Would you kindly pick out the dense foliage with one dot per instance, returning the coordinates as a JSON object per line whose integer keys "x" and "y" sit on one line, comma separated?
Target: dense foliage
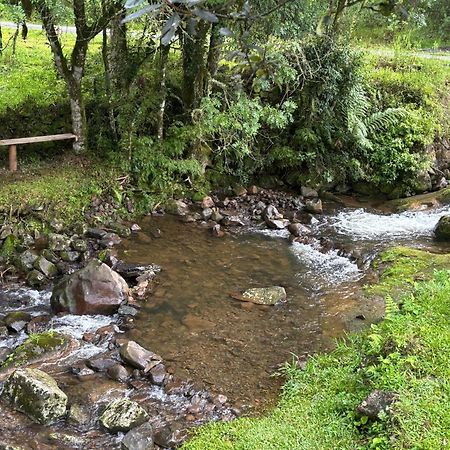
{"x": 188, "y": 95}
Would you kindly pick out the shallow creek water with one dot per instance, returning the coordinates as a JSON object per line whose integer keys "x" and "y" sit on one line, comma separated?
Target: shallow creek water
{"x": 202, "y": 333}
{"x": 236, "y": 347}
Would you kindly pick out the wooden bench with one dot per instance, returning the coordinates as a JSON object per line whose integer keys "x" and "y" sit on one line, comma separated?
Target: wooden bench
{"x": 13, "y": 143}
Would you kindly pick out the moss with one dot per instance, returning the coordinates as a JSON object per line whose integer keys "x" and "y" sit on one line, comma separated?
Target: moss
{"x": 402, "y": 267}
{"x": 9, "y": 246}
{"x": 35, "y": 346}
{"x": 441, "y": 197}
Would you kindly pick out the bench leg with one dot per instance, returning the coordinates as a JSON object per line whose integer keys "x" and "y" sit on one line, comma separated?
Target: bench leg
{"x": 12, "y": 158}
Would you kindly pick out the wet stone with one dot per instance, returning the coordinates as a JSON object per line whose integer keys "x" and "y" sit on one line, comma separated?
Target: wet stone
{"x": 265, "y": 296}
{"x": 298, "y": 229}
{"x": 58, "y": 242}
{"x": 127, "y": 310}
{"x": 46, "y": 267}
{"x": 4, "y": 353}
{"x": 157, "y": 374}
{"x": 207, "y": 213}
{"x": 138, "y": 357}
{"x": 78, "y": 415}
{"x": 119, "y": 373}
{"x": 140, "y": 438}
{"x": 101, "y": 364}
{"x": 314, "y": 206}
{"x": 277, "y": 224}
{"x": 170, "y": 436}
{"x": 110, "y": 240}
{"x": 67, "y": 439}
{"x": 36, "y": 394}
{"x": 38, "y": 324}
{"x": 36, "y": 278}
{"x": 95, "y": 289}
{"x": 123, "y": 415}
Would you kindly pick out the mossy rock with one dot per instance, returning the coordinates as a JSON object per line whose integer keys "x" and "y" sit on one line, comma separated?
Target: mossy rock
{"x": 36, "y": 394}
{"x": 35, "y": 346}
{"x": 442, "y": 230}
{"x": 401, "y": 267}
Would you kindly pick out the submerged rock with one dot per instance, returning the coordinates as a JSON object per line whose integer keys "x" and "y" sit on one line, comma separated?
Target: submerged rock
{"x": 376, "y": 402}
{"x": 123, "y": 415}
{"x": 36, "y": 394}
{"x": 442, "y": 230}
{"x": 95, "y": 289}
{"x": 264, "y": 296}
{"x": 140, "y": 438}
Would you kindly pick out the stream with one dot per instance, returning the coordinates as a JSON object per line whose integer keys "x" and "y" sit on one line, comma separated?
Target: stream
{"x": 230, "y": 347}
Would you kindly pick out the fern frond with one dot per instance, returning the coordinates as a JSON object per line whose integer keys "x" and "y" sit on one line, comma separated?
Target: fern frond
{"x": 381, "y": 120}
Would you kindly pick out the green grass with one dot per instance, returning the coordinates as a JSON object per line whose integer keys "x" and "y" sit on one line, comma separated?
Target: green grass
{"x": 30, "y": 74}
{"x": 64, "y": 188}
{"x": 409, "y": 353}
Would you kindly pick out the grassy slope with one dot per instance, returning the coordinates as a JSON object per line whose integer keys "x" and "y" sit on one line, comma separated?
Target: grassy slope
{"x": 64, "y": 187}
{"x": 408, "y": 353}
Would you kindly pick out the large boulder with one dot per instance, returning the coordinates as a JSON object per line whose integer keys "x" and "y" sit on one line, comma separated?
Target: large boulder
{"x": 95, "y": 289}
{"x": 36, "y": 394}
{"x": 123, "y": 415}
{"x": 442, "y": 230}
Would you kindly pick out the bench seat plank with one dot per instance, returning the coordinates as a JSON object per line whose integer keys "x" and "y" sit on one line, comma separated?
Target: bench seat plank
{"x": 35, "y": 139}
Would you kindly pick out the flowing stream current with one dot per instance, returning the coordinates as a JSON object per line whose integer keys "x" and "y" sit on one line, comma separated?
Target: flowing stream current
{"x": 203, "y": 334}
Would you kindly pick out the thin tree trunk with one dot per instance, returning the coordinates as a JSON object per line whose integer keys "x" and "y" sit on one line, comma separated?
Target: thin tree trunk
{"x": 14, "y": 42}
{"x": 194, "y": 67}
{"x": 1, "y": 41}
{"x": 112, "y": 119}
{"x": 214, "y": 52}
{"x": 164, "y": 58}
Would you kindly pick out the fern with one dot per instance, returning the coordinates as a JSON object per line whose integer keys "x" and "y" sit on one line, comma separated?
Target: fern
{"x": 391, "y": 308}
{"x": 381, "y": 120}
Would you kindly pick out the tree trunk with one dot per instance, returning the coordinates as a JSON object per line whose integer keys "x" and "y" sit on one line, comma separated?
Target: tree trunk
{"x": 14, "y": 42}
{"x": 214, "y": 52}
{"x": 1, "y": 41}
{"x": 164, "y": 57}
{"x": 78, "y": 113}
{"x": 194, "y": 67}
{"x": 118, "y": 53}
